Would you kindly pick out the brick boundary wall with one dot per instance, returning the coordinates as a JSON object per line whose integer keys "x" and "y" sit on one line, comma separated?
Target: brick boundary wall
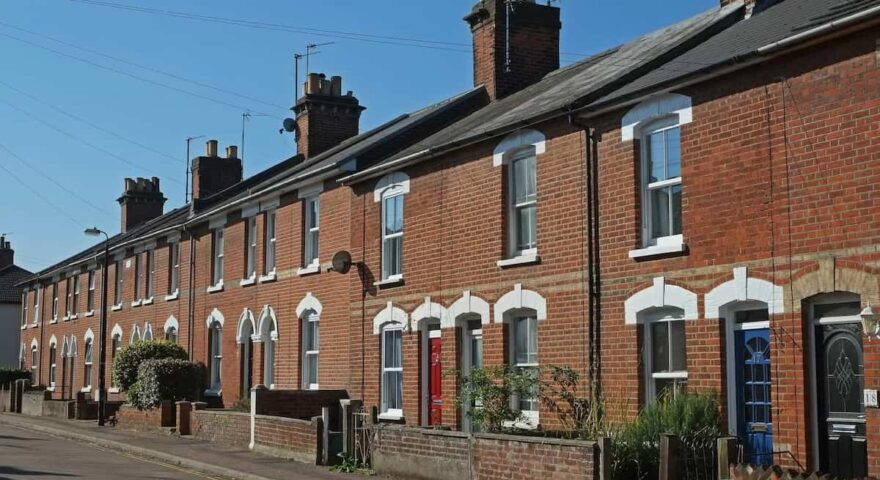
{"x": 132, "y": 418}
{"x": 426, "y": 454}
{"x": 290, "y": 438}
{"x": 221, "y": 426}
{"x": 303, "y": 404}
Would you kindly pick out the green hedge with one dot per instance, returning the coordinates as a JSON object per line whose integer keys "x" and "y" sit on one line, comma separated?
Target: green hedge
{"x": 9, "y": 375}
{"x": 129, "y": 359}
{"x": 166, "y": 379}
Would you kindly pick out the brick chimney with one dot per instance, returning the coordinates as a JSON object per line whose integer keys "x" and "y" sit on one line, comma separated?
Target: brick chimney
{"x": 141, "y": 201}
{"x": 7, "y": 254}
{"x": 212, "y": 173}
{"x": 324, "y": 116}
{"x": 516, "y": 43}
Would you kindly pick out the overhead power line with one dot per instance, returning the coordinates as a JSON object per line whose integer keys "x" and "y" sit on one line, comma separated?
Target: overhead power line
{"x": 86, "y": 142}
{"x": 89, "y": 123}
{"x": 131, "y": 75}
{"x": 58, "y": 184}
{"x": 143, "y": 67}
{"x": 39, "y": 195}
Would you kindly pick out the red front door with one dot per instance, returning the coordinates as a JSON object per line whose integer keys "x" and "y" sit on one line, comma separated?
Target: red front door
{"x": 435, "y": 372}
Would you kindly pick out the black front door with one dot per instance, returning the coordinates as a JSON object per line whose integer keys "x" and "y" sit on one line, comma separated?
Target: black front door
{"x": 841, "y": 411}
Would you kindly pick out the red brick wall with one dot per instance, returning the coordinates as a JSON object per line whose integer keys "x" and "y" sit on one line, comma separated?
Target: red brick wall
{"x": 226, "y": 427}
{"x": 430, "y": 454}
{"x": 289, "y": 437}
{"x": 302, "y": 404}
{"x": 132, "y": 418}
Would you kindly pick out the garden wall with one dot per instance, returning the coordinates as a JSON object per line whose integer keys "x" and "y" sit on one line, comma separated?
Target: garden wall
{"x": 303, "y": 404}
{"x": 221, "y": 426}
{"x": 132, "y": 418}
{"x": 444, "y": 455}
{"x": 291, "y": 438}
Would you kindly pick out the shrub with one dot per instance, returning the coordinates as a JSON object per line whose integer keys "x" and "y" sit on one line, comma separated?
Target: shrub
{"x": 580, "y": 416}
{"x": 493, "y": 389}
{"x": 636, "y": 448}
{"x": 9, "y": 375}
{"x": 165, "y": 379}
{"x": 128, "y": 359}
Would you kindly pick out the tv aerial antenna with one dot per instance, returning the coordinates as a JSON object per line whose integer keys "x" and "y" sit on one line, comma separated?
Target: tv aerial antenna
{"x": 311, "y": 49}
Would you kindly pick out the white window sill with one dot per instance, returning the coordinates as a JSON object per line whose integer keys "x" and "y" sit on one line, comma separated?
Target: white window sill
{"x": 137, "y": 303}
{"x": 309, "y": 270}
{"x": 246, "y": 282}
{"x": 173, "y": 296}
{"x": 35, "y": 324}
{"x": 72, "y": 317}
{"x": 389, "y": 282}
{"x": 86, "y": 389}
{"x": 50, "y": 389}
{"x": 113, "y": 390}
{"x": 65, "y": 318}
{"x": 148, "y": 301}
{"x": 657, "y": 250}
{"x": 24, "y": 327}
{"x": 54, "y": 320}
{"x": 269, "y": 277}
{"x": 529, "y": 259}
{"x": 216, "y": 288}
{"x": 213, "y": 393}
{"x": 394, "y": 417}
{"x": 116, "y": 308}
{"x": 90, "y": 313}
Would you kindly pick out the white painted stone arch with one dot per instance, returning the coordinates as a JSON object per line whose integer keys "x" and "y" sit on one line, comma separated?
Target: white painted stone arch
{"x": 171, "y": 323}
{"x": 519, "y": 299}
{"x": 268, "y": 329}
{"x": 390, "y": 314}
{"x": 65, "y": 346}
{"x": 743, "y": 289}
{"x": 89, "y": 335}
{"x": 135, "y": 334}
{"x": 117, "y": 331}
{"x": 309, "y": 302}
{"x": 395, "y": 183}
{"x": 468, "y": 305}
{"x": 245, "y": 322}
{"x": 516, "y": 141}
{"x": 148, "y": 332}
{"x": 71, "y": 347}
{"x": 53, "y": 341}
{"x": 427, "y": 311}
{"x": 215, "y": 316}
{"x": 34, "y": 343}
{"x": 665, "y": 105}
{"x": 660, "y": 295}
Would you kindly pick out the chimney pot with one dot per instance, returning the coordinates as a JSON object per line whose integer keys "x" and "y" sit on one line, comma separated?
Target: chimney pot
{"x": 323, "y": 116}
{"x": 211, "y": 148}
{"x": 232, "y": 152}
{"x": 336, "y": 86}
{"x": 313, "y": 84}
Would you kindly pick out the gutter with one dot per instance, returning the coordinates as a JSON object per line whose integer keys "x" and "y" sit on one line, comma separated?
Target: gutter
{"x": 816, "y": 31}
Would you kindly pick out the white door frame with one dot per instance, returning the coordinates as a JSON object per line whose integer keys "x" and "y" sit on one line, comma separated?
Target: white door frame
{"x": 426, "y": 333}
{"x": 467, "y": 366}
{"x": 728, "y": 313}
{"x": 812, "y": 322}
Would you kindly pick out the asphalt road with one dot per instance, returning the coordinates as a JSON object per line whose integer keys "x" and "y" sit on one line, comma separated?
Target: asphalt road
{"x": 26, "y": 455}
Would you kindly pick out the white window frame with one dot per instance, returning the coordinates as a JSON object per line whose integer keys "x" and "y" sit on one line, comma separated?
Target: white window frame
{"x": 24, "y": 309}
{"x": 54, "y": 302}
{"x": 53, "y": 363}
{"x": 312, "y": 244}
{"x": 90, "y": 295}
{"x": 386, "y": 277}
{"x": 35, "y": 361}
{"x": 390, "y": 413}
{"x": 150, "y": 276}
{"x": 269, "y": 250}
{"x": 119, "y": 282}
{"x": 308, "y": 318}
{"x": 530, "y": 416}
{"x": 115, "y": 345}
{"x": 663, "y": 315}
{"x": 513, "y": 248}
{"x": 215, "y": 352}
{"x": 250, "y": 252}
{"x": 68, "y": 303}
{"x": 87, "y": 364}
{"x": 138, "y": 275}
{"x": 37, "y": 294}
{"x": 173, "y": 270}
{"x": 658, "y": 126}
{"x": 217, "y": 256}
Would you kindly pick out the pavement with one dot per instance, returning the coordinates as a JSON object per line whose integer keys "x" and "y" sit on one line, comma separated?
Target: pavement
{"x": 39, "y": 447}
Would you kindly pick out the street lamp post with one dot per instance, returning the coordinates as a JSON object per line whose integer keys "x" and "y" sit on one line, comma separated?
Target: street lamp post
{"x": 102, "y": 345}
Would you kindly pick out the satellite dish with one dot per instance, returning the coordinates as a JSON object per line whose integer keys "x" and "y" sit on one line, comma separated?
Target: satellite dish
{"x": 289, "y": 125}
{"x": 341, "y": 261}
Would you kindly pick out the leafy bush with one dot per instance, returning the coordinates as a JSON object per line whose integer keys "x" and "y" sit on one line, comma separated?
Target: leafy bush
{"x": 493, "y": 390}
{"x": 128, "y": 359}
{"x": 581, "y": 417}
{"x": 165, "y": 379}
{"x": 9, "y": 375}
{"x": 636, "y": 448}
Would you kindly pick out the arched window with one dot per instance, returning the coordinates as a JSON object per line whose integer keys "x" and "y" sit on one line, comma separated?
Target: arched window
{"x": 171, "y": 329}
{"x": 665, "y": 353}
{"x": 148, "y": 332}
{"x": 389, "y": 324}
{"x": 269, "y": 335}
{"x": 115, "y": 344}
{"x": 53, "y": 353}
{"x": 246, "y": 333}
{"x": 311, "y": 328}
{"x": 391, "y": 190}
{"x": 519, "y": 152}
{"x": 87, "y": 361}
{"x": 34, "y": 361}
{"x": 135, "y": 334}
{"x": 215, "y": 341}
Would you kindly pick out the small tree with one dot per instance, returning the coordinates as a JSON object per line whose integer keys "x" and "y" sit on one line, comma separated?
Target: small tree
{"x": 130, "y": 358}
{"x": 490, "y": 394}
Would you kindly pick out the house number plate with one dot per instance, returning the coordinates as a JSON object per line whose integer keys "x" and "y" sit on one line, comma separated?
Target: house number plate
{"x": 871, "y": 399}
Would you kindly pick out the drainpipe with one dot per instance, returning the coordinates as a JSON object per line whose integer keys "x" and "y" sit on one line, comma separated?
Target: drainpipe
{"x": 191, "y": 309}
{"x": 591, "y": 204}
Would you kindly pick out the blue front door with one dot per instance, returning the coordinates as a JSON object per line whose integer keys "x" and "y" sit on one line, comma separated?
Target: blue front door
{"x": 754, "y": 412}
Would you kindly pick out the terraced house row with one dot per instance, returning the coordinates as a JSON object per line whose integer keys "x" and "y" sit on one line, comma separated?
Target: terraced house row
{"x": 696, "y": 209}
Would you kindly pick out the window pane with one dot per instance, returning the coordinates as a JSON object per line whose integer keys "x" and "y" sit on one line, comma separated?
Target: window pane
{"x": 477, "y": 352}
{"x": 529, "y": 401}
{"x": 311, "y": 369}
{"x": 669, "y": 386}
{"x": 393, "y": 352}
{"x": 837, "y": 309}
{"x": 676, "y": 209}
{"x": 673, "y": 153}
{"x": 660, "y": 347}
{"x": 678, "y": 346}
{"x": 655, "y": 153}
{"x": 521, "y": 339}
{"x": 393, "y": 214}
{"x": 660, "y": 212}
{"x": 392, "y": 256}
{"x": 393, "y": 388}
{"x": 526, "y": 235}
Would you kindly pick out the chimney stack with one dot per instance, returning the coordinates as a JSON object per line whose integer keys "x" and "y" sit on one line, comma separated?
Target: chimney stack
{"x": 141, "y": 201}
{"x": 324, "y": 116}
{"x": 516, "y": 43}
{"x": 7, "y": 254}
{"x": 212, "y": 173}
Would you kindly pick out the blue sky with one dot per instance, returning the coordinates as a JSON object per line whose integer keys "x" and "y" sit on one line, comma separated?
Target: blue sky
{"x": 72, "y": 128}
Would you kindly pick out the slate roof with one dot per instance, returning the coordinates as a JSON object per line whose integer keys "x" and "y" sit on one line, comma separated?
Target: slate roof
{"x": 379, "y": 139}
{"x": 10, "y": 276}
{"x": 742, "y": 40}
{"x": 582, "y": 81}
